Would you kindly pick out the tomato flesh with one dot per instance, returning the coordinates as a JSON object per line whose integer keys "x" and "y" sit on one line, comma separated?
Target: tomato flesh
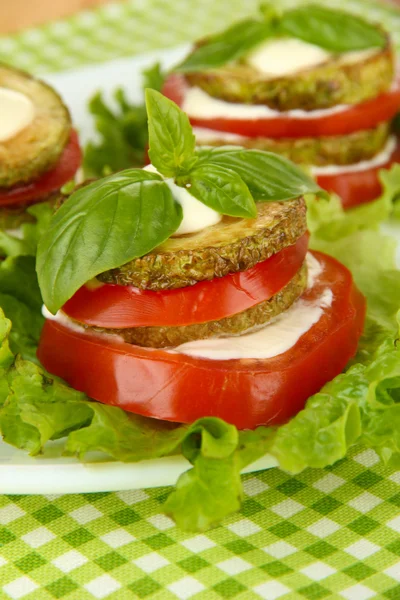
{"x": 357, "y": 187}
{"x": 180, "y": 388}
{"x": 50, "y": 181}
{"x": 365, "y": 115}
{"x": 117, "y": 306}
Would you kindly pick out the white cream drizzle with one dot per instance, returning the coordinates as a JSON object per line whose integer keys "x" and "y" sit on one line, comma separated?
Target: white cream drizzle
{"x": 270, "y": 340}
{"x": 17, "y": 111}
{"x": 286, "y": 56}
{"x": 199, "y": 105}
{"x": 377, "y": 161}
{"x": 196, "y": 215}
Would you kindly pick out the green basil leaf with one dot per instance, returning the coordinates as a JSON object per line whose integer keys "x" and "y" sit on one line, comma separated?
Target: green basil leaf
{"x": 334, "y": 30}
{"x": 268, "y": 176}
{"x": 102, "y": 226}
{"x": 171, "y": 140}
{"x": 227, "y": 46}
{"x": 221, "y": 189}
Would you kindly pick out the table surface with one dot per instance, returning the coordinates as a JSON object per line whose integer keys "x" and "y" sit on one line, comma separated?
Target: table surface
{"x": 330, "y": 533}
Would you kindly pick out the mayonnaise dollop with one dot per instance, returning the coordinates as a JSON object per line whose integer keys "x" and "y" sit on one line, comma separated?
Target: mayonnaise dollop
{"x": 17, "y": 111}
{"x": 196, "y": 215}
{"x": 272, "y": 339}
{"x": 286, "y": 56}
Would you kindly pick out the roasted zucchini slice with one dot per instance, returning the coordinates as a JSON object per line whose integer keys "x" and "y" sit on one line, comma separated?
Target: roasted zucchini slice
{"x": 343, "y": 79}
{"x": 37, "y": 148}
{"x": 318, "y": 151}
{"x": 262, "y": 313}
{"x": 229, "y": 246}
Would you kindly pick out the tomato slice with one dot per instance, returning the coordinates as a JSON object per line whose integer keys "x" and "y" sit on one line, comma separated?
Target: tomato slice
{"x": 366, "y": 115}
{"x": 357, "y": 187}
{"x": 117, "y": 306}
{"x": 50, "y": 181}
{"x": 181, "y": 388}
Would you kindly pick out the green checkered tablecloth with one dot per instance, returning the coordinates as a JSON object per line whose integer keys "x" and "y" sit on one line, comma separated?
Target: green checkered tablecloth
{"x": 330, "y": 533}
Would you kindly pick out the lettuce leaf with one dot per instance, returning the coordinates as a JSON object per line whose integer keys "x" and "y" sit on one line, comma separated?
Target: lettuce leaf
{"x": 360, "y": 405}
{"x": 25, "y": 243}
{"x": 122, "y": 132}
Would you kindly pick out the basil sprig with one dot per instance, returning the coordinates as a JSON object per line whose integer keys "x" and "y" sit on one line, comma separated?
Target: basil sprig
{"x": 228, "y": 45}
{"x": 102, "y": 226}
{"x": 334, "y": 30}
{"x": 114, "y": 220}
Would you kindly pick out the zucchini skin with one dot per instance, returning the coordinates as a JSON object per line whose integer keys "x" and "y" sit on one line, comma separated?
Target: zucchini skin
{"x": 38, "y": 147}
{"x": 324, "y": 86}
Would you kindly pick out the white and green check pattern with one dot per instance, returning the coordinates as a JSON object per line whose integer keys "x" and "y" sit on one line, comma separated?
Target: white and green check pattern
{"x": 139, "y": 26}
{"x": 330, "y": 533}
{"x": 323, "y": 534}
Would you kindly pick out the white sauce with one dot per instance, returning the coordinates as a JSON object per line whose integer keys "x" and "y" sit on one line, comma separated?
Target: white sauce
{"x": 61, "y": 318}
{"x": 16, "y": 113}
{"x": 380, "y": 159}
{"x": 196, "y": 215}
{"x": 199, "y": 105}
{"x": 271, "y": 340}
{"x": 203, "y": 134}
{"x": 285, "y": 56}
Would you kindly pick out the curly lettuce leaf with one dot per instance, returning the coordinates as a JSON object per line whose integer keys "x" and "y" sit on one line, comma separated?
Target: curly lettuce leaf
{"x": 25, "y": 242}
{"x": 122, "y": 132}
{"x": 360, "y": 405}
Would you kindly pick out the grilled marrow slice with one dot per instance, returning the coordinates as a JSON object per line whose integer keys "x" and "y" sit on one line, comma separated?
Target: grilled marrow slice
{"x": 230, "y": 246}
{"x": 261, "y": 314}
{"x": 343, "y": 79}
{"x": 37, "y": 148}
{"x": 318, "y": 151}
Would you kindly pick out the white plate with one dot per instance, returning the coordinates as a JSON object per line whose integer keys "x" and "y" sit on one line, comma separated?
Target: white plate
{"x": 52, "y": 473}
{"x": 55, "y": 474}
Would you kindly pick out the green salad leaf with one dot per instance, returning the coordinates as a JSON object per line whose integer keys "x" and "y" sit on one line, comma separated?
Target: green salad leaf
{"x": 334, "y": 30}
{"x": 25, "y": 243}
{"x": 359, "y": 406}
{"x": 228, "y": 45}
{"x": 102, "y": 226}
{"x": 122, "y": 131}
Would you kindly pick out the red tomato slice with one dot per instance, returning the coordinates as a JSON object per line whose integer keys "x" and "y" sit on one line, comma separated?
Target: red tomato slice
{"x": 50, "y": 181}
{"x": 127, "y": 306}
{"x": 366, "y": 115}
{"x": 180, "y": 388}
{"x": 357, "y": 187}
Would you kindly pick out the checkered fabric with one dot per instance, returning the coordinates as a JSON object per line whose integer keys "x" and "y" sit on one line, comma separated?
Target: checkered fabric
{"x": 330, "y": 533}
{"x": 138, "y": 26}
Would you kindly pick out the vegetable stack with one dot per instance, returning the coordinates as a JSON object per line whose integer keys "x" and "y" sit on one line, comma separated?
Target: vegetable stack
{"x": 185, "y": 290}
{"x": 313, "y": 84}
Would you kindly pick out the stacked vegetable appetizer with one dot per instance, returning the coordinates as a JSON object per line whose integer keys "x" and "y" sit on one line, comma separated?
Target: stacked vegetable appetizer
{"x": 313, "y": 84}
{"x": 203, "y": 286}
{"x": 39, "y": 150}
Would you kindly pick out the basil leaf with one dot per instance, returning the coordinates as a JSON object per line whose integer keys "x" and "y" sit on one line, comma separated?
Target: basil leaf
{"x": 221, "y": 189}
{"x": 334, "y": 30}
{"x": 102, "y": 226}
{"x": 268, "y": 176}
{"x": 171, "y": 140}
{"x": 226, "y": 46}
